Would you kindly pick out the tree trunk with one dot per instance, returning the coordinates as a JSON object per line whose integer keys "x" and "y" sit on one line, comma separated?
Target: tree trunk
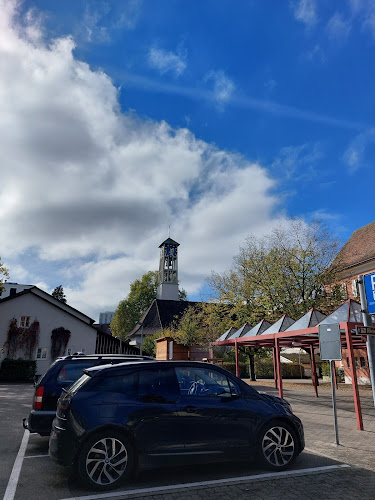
{"x": 252, "y": 367}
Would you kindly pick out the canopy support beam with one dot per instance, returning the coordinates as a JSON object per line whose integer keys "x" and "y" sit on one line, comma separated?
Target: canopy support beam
{"x": 357, "y": 402}
{"x": 278, "y": 365}
{"x": 236, "y": 357}
{"x": 274, "y": 366}
{"x": 313, "y": 370}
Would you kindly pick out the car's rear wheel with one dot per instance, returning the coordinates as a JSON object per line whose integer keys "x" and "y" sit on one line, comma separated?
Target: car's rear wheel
{"x": 105, "y": 460}
{"x": 277, "y": 446}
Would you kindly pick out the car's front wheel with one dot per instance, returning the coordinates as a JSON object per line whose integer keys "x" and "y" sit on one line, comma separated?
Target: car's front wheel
{"x": 277, "y": 446}
{"x": 105, "y": 460}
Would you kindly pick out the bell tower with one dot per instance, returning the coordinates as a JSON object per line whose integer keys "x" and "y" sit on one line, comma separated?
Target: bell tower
{"x": 168, "y": 271}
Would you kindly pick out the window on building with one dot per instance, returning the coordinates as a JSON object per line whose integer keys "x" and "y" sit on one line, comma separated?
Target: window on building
{"x": 348, "y": 362}
{"x": 356, "y": 362}
{"x": 363, "y": 362}
{"x": 25, "y": 321}
{"x": 355, "y": 288}
{"x": 12, "y": 292}
{"x": 41, "y": 353}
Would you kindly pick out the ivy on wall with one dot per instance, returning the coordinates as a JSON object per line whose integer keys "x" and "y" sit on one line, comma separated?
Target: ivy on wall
{"x": 30, "y": 339}
{"x": 25, "y": 339}
{"x": 59, "y": 340}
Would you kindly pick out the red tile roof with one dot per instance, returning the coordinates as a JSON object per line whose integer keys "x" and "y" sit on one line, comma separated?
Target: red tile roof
{"x": 359, "y": 248}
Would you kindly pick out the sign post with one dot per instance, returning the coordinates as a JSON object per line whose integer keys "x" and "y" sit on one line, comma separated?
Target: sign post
{"x": 366, "y": 286}
{"x": 330, "y": 350}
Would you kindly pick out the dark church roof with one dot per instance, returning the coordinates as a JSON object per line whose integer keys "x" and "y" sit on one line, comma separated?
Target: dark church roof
{"x": 169, "y": 241}
{"x": 161, "y": 314}
{"x": 360, "y": 248}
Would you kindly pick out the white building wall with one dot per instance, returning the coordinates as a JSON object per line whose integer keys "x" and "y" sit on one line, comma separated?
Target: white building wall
{"x": 83, "y": 336}
{"x": 18, "y": 287}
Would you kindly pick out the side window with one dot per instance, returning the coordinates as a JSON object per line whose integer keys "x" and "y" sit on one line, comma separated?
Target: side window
{"x": 157, "y": 385}
{"x": 123, "y": 384}
{"x": 195, "y": 381}
{"x": 69, "y": 373}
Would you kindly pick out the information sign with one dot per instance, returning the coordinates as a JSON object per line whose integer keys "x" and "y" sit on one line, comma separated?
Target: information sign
{"x": 370, "y": 292}
{"x": 330, "y": 342}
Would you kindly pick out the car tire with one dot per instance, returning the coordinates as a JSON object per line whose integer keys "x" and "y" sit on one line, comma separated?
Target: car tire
{"x": 105, "y": 460}
{"x": 277, "y": 445}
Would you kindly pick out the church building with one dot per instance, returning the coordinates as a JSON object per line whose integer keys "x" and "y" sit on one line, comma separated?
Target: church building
{"x": 167, "y": 307}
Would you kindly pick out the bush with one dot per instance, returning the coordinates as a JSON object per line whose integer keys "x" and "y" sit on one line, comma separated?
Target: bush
{"x": 264, "y": 369}
{"x": 231, "y": 367}
{"x": 17, "y": 369}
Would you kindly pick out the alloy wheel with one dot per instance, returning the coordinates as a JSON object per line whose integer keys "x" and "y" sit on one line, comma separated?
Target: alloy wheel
{"x": 106, "y": 461}
{"x": 278, "y": 446}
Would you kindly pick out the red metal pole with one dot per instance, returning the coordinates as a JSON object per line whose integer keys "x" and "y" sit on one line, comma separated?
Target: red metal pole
{"x": 357, "y": 402}
{"x": 278, "y": 364}
{"x": 313, "y": 370}
{"x": 274, "y": 365}
{"x": 236, "y": 355}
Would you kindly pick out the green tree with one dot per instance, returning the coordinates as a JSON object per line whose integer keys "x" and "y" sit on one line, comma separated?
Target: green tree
{"x": 3, "y": 274}
{"x": 201, "y": 324}
{"x": 149, "y": 344}
{"x": 285, "y": 272}
{"x": 130, "y": 310}
{"x": 58, "y": 293}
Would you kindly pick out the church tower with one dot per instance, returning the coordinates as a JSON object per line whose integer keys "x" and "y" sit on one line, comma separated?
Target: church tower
{"x": 168, "y": 271}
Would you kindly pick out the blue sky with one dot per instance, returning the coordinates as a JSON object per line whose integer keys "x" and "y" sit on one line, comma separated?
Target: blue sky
{"x": 219, "y": 118}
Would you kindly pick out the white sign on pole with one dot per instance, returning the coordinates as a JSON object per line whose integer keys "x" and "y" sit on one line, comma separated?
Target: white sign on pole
{"x": 330, "y": 342}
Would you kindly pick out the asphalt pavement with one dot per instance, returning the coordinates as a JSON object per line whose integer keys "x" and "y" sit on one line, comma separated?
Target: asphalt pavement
{"x": 323, "y": 470}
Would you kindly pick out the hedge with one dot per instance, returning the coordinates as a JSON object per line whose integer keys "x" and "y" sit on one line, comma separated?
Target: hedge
{"x": 17, "y": 369}
{"x": 231, "y": 367}
{"x": 264, "y": 369}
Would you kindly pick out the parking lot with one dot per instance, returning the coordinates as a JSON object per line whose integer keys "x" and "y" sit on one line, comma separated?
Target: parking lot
{"x": 323, "y": 470}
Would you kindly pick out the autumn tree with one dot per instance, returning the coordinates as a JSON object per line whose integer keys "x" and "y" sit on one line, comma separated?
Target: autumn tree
{"x": 285, "y": 272}
{"x": 3, "y": 274}
{"x": 201, "y": 324}
{"x": 58, "y": 293}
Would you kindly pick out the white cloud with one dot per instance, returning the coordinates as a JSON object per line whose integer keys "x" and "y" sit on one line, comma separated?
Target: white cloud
{"x": 101, "y": 19}
{"x": 223, "y": 86}
{"x": 90, "y": 190}
{"x": 338, "y": 28}
{"x": 355, "y": 155}
{"x": 305, "y": 11}
{"x": 298, "y": 162}
{"x": 168, "y": 62}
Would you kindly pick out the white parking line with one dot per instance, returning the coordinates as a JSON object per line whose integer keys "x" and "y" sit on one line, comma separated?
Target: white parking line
{"x": 15, "y": 474}
{"x": 231, "y": 480}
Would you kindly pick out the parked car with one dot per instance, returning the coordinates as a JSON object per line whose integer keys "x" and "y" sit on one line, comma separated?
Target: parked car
{"x": 144, "y": 414}
{"x": 62, "y": 373}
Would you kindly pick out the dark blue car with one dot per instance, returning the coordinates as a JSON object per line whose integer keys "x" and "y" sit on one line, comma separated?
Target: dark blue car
{"x": 172, "y": 412}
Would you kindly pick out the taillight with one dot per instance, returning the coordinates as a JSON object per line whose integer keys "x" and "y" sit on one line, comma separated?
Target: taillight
{"x": 38, "y": 398}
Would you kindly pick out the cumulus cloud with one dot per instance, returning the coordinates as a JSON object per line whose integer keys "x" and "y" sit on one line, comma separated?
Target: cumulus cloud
{"x": 167, "y": 61}
{"x": 92, "y": 190}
